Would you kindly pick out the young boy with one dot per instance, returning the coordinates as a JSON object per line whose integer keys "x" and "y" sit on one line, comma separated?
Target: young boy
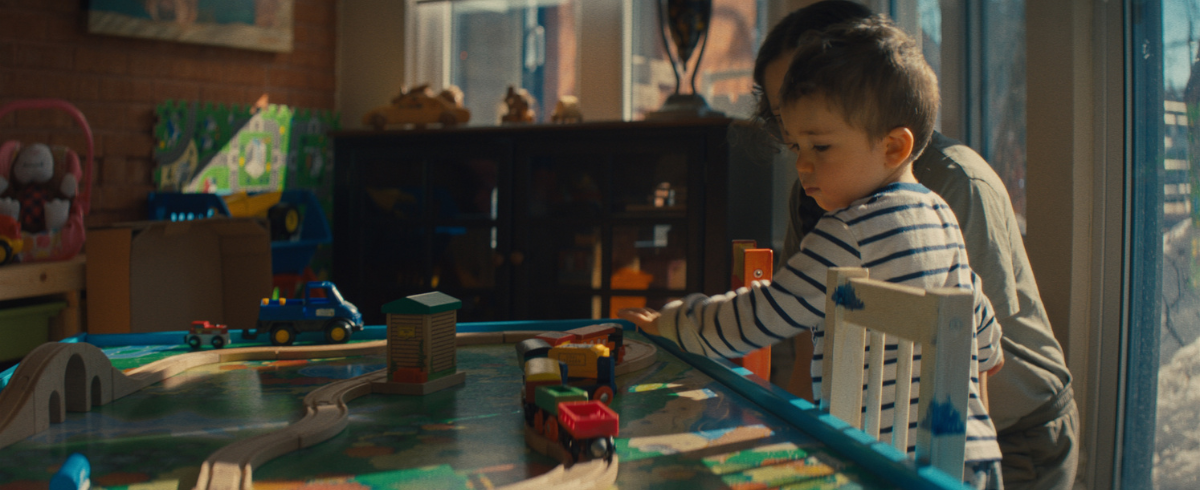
{"x": 858, "y": 106}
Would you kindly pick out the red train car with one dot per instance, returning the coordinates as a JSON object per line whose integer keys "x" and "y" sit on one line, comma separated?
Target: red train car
{"x": 557, "y": 338}
{"x": 588, "y": 429}
{"x": 585, "y": 420}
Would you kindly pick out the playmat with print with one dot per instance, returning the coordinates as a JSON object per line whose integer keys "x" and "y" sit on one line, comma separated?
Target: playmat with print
{"x": 679, "y": 428}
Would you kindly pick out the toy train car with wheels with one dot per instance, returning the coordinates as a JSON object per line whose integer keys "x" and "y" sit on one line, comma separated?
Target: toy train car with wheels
{"x": 565, "y": 395}
{"x": 569, "y": 381}
{"x": 587, "y": 366}
{"x": 564, "y": 415}
{"x": 607, "y": 334}
{"x": 588, "y": 429}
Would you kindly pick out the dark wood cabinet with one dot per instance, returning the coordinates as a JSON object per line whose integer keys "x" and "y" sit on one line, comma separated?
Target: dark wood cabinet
{"x": 544, "y": 221}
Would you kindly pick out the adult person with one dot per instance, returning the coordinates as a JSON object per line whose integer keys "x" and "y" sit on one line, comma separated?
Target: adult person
{"x": 1032, "y": 404}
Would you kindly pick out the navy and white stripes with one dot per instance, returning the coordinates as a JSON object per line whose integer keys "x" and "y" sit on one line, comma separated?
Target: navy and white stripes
{"x": 903, "y": 234}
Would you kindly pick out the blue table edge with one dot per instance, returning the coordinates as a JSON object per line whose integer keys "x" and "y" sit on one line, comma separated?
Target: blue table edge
{"x": 885, "y": 461}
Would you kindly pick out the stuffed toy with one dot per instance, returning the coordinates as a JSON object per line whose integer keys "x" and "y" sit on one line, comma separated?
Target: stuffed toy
{"x": 567, "y": 110}
{"x": 39, "y": 191}
{"x": 520, "y": 107}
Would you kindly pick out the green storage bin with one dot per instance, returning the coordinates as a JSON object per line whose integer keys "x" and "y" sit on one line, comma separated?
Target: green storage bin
{"x": 23, "y": 328}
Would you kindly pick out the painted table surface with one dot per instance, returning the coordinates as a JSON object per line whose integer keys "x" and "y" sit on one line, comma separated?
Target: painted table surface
{"x": 679, "y": 429}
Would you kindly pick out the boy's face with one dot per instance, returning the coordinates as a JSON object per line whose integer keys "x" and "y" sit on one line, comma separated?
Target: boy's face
{"x": 838, "y": 163}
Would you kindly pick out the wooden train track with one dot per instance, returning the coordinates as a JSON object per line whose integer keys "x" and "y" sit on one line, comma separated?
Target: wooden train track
{"x": 325, "y": 415}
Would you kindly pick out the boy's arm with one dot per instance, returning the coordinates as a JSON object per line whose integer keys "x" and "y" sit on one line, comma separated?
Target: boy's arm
{"x": 685, "y": 321}
{"x": 987, "y": 340}
{"x": 983, "y": 391}
{"x": 983, "y": 386}
{"x": 995, "y": 369}
{"x": 665, "y": 324}
{"x": 737, "y": 322}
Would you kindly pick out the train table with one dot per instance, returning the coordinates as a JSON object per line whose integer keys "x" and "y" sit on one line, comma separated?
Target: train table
{"x": 685, "y": 422}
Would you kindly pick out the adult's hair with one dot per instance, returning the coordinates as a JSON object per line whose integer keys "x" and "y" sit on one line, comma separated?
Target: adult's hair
{"x": 786, "y": 35}
{"x": 873, "y": 72}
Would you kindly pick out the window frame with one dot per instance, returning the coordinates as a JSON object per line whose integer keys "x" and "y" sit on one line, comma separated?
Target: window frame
{"x": 1104, "y": 410}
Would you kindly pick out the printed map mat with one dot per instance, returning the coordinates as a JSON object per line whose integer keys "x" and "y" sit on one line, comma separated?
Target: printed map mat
{"x": 679, "y": 429}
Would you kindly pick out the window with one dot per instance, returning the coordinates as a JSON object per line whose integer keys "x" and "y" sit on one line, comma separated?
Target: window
{"x": 930, "y": 13}
{"x": 1160, "y": 426}
{"x": 726, "y": 77}
{"x": 1002, "y": 86}
{"x": 978, "y": 54}
{"x": 485, "y": 46}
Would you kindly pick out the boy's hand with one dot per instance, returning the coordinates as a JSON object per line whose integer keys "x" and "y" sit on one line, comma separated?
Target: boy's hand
{"x": 645, "y": 318}
{"x": 995, "y": 369}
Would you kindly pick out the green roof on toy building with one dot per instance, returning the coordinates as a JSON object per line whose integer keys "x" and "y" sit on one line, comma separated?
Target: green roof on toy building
{"x": 423, "y": 304}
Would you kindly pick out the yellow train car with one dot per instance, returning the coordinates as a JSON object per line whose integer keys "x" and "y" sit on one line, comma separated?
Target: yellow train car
{"x": 580, "y": 358}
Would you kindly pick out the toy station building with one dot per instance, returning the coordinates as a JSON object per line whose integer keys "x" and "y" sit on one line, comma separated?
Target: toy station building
{"x": 421, "y": 333}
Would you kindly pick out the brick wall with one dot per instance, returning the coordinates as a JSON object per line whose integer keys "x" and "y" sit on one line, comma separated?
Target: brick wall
{"x": 46, "y": 51}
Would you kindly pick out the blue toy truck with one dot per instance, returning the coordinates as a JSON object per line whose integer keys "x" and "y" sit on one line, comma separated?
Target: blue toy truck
{"x": 321, "y": 309}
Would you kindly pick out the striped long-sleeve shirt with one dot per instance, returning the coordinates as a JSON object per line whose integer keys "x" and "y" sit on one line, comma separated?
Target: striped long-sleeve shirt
{"x": 903, "y": 233}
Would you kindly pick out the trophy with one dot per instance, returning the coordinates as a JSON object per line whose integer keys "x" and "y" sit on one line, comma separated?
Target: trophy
{"x": 687, "y": 21}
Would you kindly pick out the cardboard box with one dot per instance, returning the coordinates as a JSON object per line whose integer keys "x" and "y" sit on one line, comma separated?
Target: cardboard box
{"x": 154, "y": 276}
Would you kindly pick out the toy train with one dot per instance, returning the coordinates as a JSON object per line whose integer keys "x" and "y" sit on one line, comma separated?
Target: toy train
{"x": 567, "y": 387}
{"x": 607, "y": 334}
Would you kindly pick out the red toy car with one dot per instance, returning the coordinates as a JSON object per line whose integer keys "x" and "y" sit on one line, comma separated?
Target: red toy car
{"x": 203, "y": 332}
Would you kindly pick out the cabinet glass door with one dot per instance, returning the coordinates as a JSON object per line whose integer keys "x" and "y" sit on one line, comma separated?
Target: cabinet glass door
{"x": 651, "y": 184}
{"x": 567, "y": 188}
{"x": 603, "y": 223}
{"x": 422, "y": 222}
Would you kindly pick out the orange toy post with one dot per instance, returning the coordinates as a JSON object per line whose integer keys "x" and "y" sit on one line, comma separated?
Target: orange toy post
{"x": 752, "y": 264}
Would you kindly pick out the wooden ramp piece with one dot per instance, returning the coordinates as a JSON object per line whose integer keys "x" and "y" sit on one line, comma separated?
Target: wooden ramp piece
{"x": 54, "y": 378}
{"x": 58, "y": 377}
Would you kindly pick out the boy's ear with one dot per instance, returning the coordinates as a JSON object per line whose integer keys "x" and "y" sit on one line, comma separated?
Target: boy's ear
{"x": 898, "y": 146}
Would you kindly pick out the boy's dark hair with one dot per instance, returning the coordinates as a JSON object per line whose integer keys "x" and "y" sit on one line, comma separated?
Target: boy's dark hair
{"x": 788, "y": 33}
{"x": 873, "y": 73}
